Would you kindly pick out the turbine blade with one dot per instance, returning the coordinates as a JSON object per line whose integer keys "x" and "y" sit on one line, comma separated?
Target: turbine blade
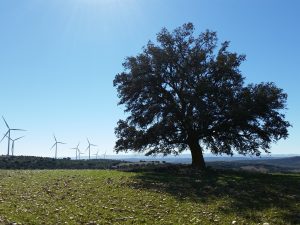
{"x": 4, "y": 136}
{"x": 18, "y": 129}
{"x": 5, "y": 122}
{"x": 54, "y": 137}
{"x": 53, "y": 145}
{"x": 19, "y": 138}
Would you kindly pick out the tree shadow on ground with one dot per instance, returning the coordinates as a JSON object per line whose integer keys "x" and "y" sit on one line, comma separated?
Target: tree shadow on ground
{"x": 246, "y": 192}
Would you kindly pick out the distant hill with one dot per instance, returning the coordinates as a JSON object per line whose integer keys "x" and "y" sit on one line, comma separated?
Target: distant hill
{"x": 33, "y": 162}
{"x": 265, "y": 164}
{"x": 289, "y": 164}
{"x": 262, "y": 164}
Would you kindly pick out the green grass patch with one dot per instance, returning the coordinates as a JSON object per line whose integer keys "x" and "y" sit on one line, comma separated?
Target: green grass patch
{"x": 114, "y": 197}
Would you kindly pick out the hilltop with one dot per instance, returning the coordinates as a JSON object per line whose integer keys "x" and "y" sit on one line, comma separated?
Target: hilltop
{"x": 33, "y": 162}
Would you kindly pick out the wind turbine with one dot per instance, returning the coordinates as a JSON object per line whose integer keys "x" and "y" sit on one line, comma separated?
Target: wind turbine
{"x": 105, "y": 165}
{"x": 77, "y": 150}
{"x": 79, "y": 153}
{"x": 96, "y": 154}
{"x": 13, "y": 144}
{"x": 7, "y": 134}
{"x": 89, "y": 148}
{"x": 55, "y": 144}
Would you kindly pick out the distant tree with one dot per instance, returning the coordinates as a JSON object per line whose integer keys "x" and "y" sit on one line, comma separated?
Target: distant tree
{"x": 181, "y": 93}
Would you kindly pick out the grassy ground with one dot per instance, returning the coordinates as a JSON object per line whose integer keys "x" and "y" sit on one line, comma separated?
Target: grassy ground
{"x": 181, "y": 197}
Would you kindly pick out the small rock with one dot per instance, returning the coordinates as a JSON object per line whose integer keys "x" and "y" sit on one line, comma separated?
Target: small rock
{"x": 266, "y": 224}
{"x": 233, "y": 222}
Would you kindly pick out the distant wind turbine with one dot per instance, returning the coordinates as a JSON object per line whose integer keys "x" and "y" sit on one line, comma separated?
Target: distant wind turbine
{"x": 77, "y": 150}
{"x": 80, "y": 153}
{"x": 7, "y": 134}
{"x": 55, "y": 144}
{"x": 13, "y": 144}
{"x": 96, "y": 154}
{"x": 89, "y": 148}
{"x": 104, "y": 155}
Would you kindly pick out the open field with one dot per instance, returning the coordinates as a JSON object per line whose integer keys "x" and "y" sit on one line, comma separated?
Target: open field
{"x": 174, "y": 197}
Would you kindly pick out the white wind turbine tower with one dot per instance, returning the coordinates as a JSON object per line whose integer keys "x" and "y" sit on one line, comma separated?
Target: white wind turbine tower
{"x": 89, "y": 148}
{"x": 7, "y": 134}
{"x": 104, "y": 155}
{"x": 13, "y": 144}
{"x": 55, "y": 144}
{"x": 77, "y": 150}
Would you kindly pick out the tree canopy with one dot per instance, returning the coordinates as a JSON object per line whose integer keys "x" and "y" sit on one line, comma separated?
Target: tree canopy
{"x": 184, "y": 92}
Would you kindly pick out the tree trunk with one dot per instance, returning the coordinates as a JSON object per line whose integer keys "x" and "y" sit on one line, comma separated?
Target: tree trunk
{"x": 197, "y": 155}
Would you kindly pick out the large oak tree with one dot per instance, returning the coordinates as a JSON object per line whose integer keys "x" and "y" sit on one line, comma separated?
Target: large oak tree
{"x": 183, "y": 92}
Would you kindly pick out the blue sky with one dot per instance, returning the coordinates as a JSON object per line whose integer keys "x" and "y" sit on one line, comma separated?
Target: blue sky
{"x": 58, "y": 60}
